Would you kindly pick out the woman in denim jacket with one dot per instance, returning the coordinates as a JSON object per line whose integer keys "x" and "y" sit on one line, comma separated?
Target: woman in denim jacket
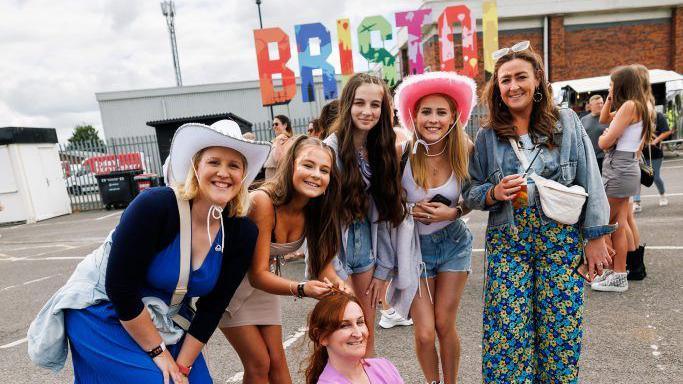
{"x": 533, "y": 298}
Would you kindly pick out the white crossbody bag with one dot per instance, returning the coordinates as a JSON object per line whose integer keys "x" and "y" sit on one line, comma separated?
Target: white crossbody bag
{"x": 559, "y": 202}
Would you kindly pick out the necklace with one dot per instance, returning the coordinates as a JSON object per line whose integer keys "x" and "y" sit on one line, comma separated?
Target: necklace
{"x": 434, "y": 168}
{"x": 437, "y": 154}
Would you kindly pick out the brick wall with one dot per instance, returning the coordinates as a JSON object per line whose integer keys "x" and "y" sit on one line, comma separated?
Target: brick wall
{"x": 677, "y": 39}
{"x": 594, "y": 51}
{"x": 591, "y": 50}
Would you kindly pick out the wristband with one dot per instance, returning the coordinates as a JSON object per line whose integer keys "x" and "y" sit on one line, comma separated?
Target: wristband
{"x": 300, "y": 290}
{"x": 493, "y": 195}
{"x": 156, "y": 351}
{"x": 458, "y": 212}
{"x": 185, "y": 371}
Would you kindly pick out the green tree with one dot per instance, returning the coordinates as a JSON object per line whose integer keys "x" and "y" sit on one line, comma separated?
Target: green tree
{"x": 85, "y": 133}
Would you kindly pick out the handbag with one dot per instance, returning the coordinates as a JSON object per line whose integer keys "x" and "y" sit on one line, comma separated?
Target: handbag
{"x": 559, "y": 202}
{"x": 647, "y": 173}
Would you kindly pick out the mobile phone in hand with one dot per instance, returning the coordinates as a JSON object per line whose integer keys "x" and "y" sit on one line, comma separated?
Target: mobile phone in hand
{"x": 440, "y": 199}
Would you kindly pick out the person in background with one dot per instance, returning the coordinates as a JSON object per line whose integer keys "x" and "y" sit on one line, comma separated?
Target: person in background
{"x": 282, "y": 128}
{"x": 314, "y": 129}
{"x": 586, "y": 110}
{"x": 327, "y": 117}
{"x": 591, "y": 123}
{"x": 339, "y": 334}
{"x": 630, "y": 128}
{"x": 662, "y": 132}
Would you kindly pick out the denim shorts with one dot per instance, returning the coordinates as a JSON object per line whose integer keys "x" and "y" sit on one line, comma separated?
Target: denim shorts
{"x": 357, "y": 257}
{"x": 447, "y": 250}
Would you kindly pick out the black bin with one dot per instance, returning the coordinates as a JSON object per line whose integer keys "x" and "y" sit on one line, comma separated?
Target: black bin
{"x": 146, "y": 180}
{"x": 118, "y": 188}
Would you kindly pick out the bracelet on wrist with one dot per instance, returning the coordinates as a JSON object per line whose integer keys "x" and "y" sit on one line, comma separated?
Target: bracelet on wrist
{"x": 291, "y": 290}
{"x": 493, "y": 195}
{"x": 458, "y": 212}
{"x": 300, "y": 290}
{"x": 185, "y": 371}
{"x": 156, "y": 351}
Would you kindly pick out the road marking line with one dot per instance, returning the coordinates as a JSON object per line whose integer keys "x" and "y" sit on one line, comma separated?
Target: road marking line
{"x": 13, "y": 259}
{"x": 671, "y": 161}
{"x": 108, "y": 216}
{"x": 6, "y": 288}
{"x": 41, "y": 279}
{"x": 237, "y": 377}
{"x": 674, "y": 167}
{"x": 14, "y": 343}
{"x": 667, "y": 195}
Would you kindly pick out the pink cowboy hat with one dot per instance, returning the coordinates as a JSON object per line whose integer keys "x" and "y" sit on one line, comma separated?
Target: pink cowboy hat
{"x": 462, "y": 89}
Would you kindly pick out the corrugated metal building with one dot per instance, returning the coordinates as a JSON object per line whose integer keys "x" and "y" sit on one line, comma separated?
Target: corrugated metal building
{"x": 126, "y": 113}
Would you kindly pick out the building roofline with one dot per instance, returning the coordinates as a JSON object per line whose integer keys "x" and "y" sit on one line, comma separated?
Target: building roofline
{"x": 189, "y": 89}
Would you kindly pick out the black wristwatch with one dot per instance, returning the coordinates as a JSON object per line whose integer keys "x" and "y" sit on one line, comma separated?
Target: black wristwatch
{"x": 300, "y": 290}
{"x": 156, "y": 351}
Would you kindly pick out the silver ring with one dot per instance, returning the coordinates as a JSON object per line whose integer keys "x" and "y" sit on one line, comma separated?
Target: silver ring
{"x": 600, "y": 265}
{"x": 429, "y": 217}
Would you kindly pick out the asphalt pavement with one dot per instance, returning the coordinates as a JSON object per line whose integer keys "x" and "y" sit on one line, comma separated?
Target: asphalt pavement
{"x": 636, "y": 336}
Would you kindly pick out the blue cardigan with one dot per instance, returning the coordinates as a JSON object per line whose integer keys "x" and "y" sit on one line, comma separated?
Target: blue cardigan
{"x": 149, "y": 225}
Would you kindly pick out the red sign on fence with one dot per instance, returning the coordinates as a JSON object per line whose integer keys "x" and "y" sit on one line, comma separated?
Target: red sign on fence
{"x": 104, "y": 164}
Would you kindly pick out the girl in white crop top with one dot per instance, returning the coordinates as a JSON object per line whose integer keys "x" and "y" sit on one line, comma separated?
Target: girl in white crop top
{"x": 440, "y": 103}
{"x": 630, "y": 128}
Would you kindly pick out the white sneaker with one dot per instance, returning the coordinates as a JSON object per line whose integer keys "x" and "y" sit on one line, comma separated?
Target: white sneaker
{"x": 614, "y": 282}
{"x": 391, "y": 318}
{"x": 636, "y": 207}
{"x": 605, "y": 272}
{"x": 663, "y": 201}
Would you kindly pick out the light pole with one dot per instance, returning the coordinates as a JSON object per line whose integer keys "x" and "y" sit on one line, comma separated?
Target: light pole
{"x": 168, "y": 10}
{"x": 260, "y": 22}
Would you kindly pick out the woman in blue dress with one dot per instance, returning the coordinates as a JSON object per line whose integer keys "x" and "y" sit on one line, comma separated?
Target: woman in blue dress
{"x": 116, "y": 340}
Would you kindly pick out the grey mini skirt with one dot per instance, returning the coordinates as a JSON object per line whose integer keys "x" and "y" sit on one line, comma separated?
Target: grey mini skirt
{"x": 620, "y": 174}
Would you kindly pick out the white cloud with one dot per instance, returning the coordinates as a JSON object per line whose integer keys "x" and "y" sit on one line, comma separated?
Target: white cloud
{"x": 58, "y": 54}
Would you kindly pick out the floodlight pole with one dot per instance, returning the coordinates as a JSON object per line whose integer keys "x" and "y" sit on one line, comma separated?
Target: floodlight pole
{"x": 168, "y": 10}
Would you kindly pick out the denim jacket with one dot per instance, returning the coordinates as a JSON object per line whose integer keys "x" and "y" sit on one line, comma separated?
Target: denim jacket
{"x": 571, "y": 162}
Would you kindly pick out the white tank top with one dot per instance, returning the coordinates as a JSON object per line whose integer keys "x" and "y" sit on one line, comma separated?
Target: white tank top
{"x": 450, "y": 190}
{"x": 630, "y": 138}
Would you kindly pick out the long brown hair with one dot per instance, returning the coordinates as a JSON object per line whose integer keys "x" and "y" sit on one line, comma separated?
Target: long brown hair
{"x": 328, "y": 115}
{"x": 320, "y": 214}
{"x": 385, "y": 184}
{"x": 457, "y": 148}
{"x": 544, "y": 115}
{"x": 325, "y": 318}
{"x": 632, "y": 82}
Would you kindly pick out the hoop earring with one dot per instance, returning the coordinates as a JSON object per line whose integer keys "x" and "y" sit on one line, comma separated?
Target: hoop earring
{"x": 538, "y": 96}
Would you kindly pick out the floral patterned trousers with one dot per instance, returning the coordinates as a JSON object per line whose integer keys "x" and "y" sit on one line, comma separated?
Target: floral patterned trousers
{"x": 533, "y": 302}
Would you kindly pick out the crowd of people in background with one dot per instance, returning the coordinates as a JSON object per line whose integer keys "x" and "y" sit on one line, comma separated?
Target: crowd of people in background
{"x": 373, "y": 194}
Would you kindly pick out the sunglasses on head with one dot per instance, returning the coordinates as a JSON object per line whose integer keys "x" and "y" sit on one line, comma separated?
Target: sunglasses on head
{"x": 521, "y": 46}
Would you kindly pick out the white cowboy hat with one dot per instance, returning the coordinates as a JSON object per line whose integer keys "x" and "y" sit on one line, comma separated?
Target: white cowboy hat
{"x": 191, "y": 138}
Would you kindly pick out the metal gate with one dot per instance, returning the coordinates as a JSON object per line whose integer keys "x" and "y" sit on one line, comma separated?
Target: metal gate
{"x": 82, "y": 161}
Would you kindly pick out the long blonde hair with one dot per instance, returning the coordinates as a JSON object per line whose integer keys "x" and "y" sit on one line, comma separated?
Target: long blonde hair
{"x": 457, "y": 149}
{"x": 189, "y": 189}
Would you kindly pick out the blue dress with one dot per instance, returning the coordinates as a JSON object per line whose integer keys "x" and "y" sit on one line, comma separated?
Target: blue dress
{"x": 104, "y": 352}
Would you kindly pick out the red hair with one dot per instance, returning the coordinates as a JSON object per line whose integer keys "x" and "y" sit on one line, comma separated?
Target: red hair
{"x": 325, "y": 318}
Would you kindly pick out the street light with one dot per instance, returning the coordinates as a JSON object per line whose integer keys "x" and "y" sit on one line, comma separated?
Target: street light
{"x": 260, "y": 22}
{"x": 168, "y": 10}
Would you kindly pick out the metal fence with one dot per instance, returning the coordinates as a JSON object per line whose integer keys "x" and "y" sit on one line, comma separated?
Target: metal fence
{"x": 83, "y": 161}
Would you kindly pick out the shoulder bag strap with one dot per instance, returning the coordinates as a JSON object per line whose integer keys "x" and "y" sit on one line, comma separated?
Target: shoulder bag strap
{"x": 185, "y": 250}
{"x": 522, "y": 159}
